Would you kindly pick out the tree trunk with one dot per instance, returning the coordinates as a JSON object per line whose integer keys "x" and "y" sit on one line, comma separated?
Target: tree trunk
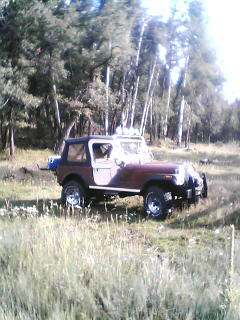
{"x": 90, "y": 127}
{"x": 125, "y": 113}
{"x": 6, "y": 138}
{"x": 180, "y": 121}
{"x": 124, "y": 102}
{"x": 187, "y": 141}
{"x": 133, "y": 106}
{"x": 150, "y": 97}
{"x": 165, "y": 124}
{"x": 209, "y": 138}
{"x": 140, "y": 42}
{"x": 113, "y": 122}
{"x": 155, "y": 128}
{"x": 57, "y": 114}
{"x": 146, "y": 106}
{"x": 2, "y": 132}
{"x": 134, "y": 102}
{"x": 81, "y": 125}
{"x": 56, "y": 107}
{"x": 151, "y": 120}
{"x": 11, "y": 143}
{"x": 181, "y": 113}
{"x": 10, "y": 136}
{"x": 106, "y": 120}
{"x": 65, "y": 134}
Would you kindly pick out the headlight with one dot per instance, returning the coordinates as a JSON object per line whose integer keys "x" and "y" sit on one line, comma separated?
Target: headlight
{"x": 180, "y": 176}
{"x": 195, "y": 175}
{"x": 191, "y": 171}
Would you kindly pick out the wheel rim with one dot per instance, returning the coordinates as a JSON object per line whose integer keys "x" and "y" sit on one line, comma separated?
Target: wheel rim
{"x": 72, "y": 196}
{"x": 154, "y": 205}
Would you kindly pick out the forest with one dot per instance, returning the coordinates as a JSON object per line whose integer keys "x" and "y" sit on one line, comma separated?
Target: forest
{"x": 85, "y": 67}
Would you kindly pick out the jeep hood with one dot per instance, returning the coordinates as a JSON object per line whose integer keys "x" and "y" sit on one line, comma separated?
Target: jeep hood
{"x": 156, "y": 167}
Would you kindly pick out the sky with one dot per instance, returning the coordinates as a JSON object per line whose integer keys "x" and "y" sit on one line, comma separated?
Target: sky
{"x": 223, "y": 28}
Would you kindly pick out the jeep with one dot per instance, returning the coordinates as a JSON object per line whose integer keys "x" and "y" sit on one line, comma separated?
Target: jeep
{"x": 95, "y": 167}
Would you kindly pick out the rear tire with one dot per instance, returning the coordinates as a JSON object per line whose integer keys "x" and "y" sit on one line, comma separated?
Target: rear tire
{"x": 155, "y": 203}
{"x": 74, "y": 195}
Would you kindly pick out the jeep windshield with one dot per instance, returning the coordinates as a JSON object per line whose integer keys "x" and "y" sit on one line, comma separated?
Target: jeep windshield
{"x": 132, "y": 150}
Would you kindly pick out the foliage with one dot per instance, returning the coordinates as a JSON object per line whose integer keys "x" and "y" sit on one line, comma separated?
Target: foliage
{"x": 55, "y": 58}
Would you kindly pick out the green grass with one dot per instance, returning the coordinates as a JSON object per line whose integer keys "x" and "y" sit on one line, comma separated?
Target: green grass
{"x": 109, "y": 261}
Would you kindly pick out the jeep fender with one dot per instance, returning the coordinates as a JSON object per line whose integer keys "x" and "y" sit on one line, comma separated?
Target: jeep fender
{"x": 75, "y": 175}
{"x": 164, "y": 181}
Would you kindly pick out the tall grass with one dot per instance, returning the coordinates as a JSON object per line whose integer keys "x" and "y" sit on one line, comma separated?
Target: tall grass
{"x": 54, "y": 265}
{"x": 52, "y": 268}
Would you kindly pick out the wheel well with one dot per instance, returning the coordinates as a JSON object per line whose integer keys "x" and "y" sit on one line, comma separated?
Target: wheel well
{"x": 74, "y": 177}
{"x": 165, "y": 185}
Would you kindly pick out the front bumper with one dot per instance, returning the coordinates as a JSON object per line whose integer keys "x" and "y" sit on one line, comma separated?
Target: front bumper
{"x": 192, "y": 193}
{"x": 187, "y": 193}
{"x": 194, "y": 189}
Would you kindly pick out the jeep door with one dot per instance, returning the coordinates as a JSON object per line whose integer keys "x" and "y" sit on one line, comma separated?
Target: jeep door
{"x": 104, "y": 169}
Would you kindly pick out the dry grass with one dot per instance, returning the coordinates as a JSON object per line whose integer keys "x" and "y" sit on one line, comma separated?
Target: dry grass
{"x": 20, "y": 187}
{"x": 108, "y": 262}
{"x": 53, "y": 268}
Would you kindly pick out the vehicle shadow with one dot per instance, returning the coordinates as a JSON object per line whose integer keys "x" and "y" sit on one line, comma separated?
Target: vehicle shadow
{"x": 231, "y": 219}
{"x": 199, "y": 219}
{"x": 190, "y": 220}
{"x": 107, "y": 211}
{"x": 110, "y": 211}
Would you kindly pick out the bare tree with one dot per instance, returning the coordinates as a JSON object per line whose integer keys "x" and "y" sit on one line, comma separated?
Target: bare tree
{"x": 147, "y": 100}
{"x": 106, "y": 121}
{"x": 57, "y": 114}
{"x": 165, "y": 123}
{"x": 144, "y": 24}
{"x": 181, "y": 110}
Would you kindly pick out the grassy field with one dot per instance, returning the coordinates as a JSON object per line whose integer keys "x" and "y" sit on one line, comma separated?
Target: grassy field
{"x": 109, "y": 261}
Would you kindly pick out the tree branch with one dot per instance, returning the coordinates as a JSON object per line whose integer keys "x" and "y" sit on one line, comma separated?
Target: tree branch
{"x": 5, "y": 103}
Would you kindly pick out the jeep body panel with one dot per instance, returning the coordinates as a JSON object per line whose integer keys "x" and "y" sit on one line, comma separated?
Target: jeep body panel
{"x": 91, "y": 161}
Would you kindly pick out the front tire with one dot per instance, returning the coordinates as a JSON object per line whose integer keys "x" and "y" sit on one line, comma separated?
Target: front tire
{"x": 155, "y": 203}
{"x": 74, "y": 195}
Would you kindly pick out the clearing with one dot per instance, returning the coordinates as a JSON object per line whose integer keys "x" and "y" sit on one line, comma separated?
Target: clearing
{"x": 108, "y": 261}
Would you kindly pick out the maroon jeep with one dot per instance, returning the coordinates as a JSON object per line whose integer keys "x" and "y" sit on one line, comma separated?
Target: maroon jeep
{"x": 101, "y": 166}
